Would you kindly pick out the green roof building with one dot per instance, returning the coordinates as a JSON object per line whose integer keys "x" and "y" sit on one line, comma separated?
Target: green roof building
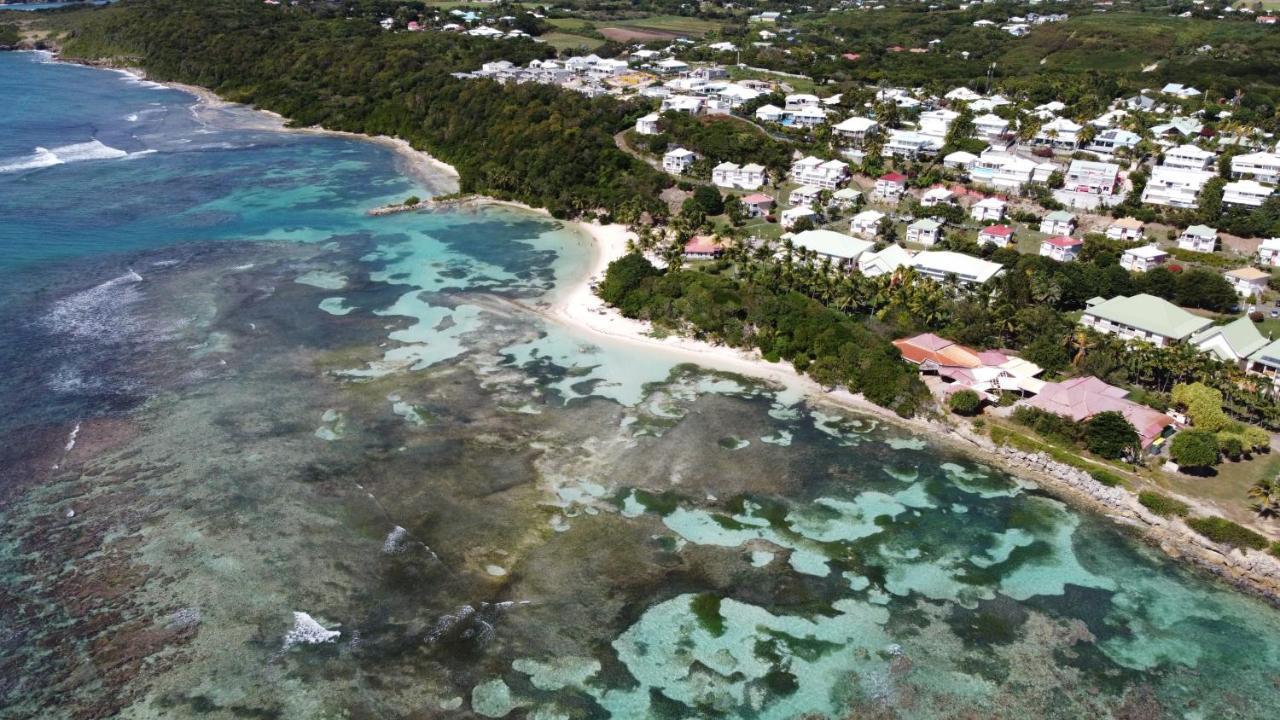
{"x": 1143, "y": 317}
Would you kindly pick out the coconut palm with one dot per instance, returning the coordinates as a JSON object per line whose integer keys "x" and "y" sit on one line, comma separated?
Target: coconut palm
{"x": 1266, "y": 498}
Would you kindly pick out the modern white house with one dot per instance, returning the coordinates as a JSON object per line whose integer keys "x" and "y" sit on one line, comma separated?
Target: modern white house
{"x": 1002, "y": 169}
{"x": 885, "y": 261}
{"x": 991, "y": 127}
{"x": 828, "y": 174}
{"x": 910, "y": 144}
{"x": 799, "y": 101}
{"x": 1090, "y": 177}
{"x": 1061, "y": 248}
{"x": 809, "y": 116}
{"x": 743, "y": 177}
{"x": 988, "y": 210}
{"x": 757, "y": 204}
{"x": 678, "y": 161}
{"x": 648, "y": 125}
{"x": 688, "y": 104}
{"x": 846, "y": 197}
{"x": 1188, "y": 157}
{"x": 1175, "y": 187}
{"x": 1059, "y": 134}
{"x": 1126, "y": 228}
{"x": 959, "y": 160}
{"x": 1199, "y": 238}
{"x": 1260, "y": 166}
{"x": 830, "y": 244}
{"x": 1142, "y": 259}
{"x": 793, "y": 215}
{"x": 890, "y": 186}
{"x": 924, "y": 231}
{"x": 866, "y": 223}
{"x": 1248, "y": 281}
{"x": 805, "y": 196}
{"x": 1142, "y": 317}
{"x": 1113, "y": 140}
{"x": 1269, "y": 252}
{"x": 936, "y": 196}
{"x": 770, "y": 113}
{"x": 855, "y": 130}
{"x": 943, "y": 265}
{"x": 1058, "y": 222}
{"x": 998, "y": 235}
{"x": 1246, "y": 193}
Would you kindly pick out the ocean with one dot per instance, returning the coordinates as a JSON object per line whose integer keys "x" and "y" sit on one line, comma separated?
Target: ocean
{"x": 268, "y": 456}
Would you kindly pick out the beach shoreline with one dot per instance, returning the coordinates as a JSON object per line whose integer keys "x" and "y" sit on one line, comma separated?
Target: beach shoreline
{"x": 576, "y": 306}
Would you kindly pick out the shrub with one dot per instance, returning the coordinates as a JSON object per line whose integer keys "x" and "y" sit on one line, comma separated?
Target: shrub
{"x": 1106, "y": 478}
{"x": 1275, "y": 549}
{"x": 1221, "y": 530}
{"x": 1163, "y": 505}
{"x": 412, "y": 200}
{"x": 964, "y": 402}
{"x": 1194, "y": 449}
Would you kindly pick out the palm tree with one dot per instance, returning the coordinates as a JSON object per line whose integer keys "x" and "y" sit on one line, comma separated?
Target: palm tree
{"x": 1266, "y": 496}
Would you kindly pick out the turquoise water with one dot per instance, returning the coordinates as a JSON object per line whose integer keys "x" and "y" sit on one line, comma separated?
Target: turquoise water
{"x": 269, "y": 457}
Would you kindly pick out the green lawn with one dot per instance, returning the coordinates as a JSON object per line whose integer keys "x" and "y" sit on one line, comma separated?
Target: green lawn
{"x": 800, "y": 85}
{"x": 666, "y": 23}
{"x": 1228, "y": 489}
{"x": 566, "y": 41}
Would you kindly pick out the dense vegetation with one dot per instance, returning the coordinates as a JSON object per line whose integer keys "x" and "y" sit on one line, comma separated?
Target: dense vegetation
{"x": 9, "y": 35}
{"x": 832, "y": 347}
{"x": 534, "y": 143}
{"x": 1221, "y": 530}
{"x": 717, "y": 139}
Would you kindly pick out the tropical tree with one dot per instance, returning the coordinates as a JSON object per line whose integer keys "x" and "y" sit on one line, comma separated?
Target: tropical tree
{"x": 1194, "y": 449}
{"x": 1110, "y": 435}
{"x": 1265, "y": 495}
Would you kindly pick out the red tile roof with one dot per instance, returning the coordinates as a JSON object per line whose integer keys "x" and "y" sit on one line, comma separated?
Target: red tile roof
{"x": 893, "y": 177}
{"x": 1063, "y": 241}
{"x": 757, "y": 199}
{"x": 703, "y": 245}
{"x": 1082, "y": 398}
{"x": 997, "y": 230}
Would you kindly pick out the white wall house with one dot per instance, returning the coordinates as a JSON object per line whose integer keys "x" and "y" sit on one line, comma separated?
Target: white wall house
{"x": 1142, "y": 259}
{"x": 1198, "y": 238}
{"x": 855, "y": 130}
{"x": 1059, "y": 133}
{"x": 990, "y": 127}
{"x": 937, "y": 196}
{"x": 910, "y": 144}
{"x": 1261, "y": 166}
{"x": 770, "y": 113}
{"x": 1061, "y": 248}
{"x": 1246, "y": 193}
{"x": 1058, "y": 222}
{"x": 829, "y": 174}
{"x": 648, "y": 125}
{"x": 866, "y": 223}
{"x": 678, "y": 161}
{"x": 805, "y": 195}
{"x": 998, "y": 235}
{"x": 1248, "y": 281}
{"x": 1112, "y": 140}
{"x": 1143, "y": 317}
{"x": 1001, "y": 169}
{"x": 1188, "y": 157}
{"x": 1126, "y": 229}
{"x": 943, "y": 265}
{"x": 793, "y": 215}
{"x": 890, "y": 186}
{"x": 1175, "y": 187}
{"x": 1269, "y": 252}
{"x": 1093, "y": 178}
{"x": 732, "y": 175}
{"x": 988, "y": 210}
{"x": 924, "y": 231}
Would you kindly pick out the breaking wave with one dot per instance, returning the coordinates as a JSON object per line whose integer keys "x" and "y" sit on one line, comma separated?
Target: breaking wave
{"x": 98, "y": 312}
{"x": 77, "y": 152}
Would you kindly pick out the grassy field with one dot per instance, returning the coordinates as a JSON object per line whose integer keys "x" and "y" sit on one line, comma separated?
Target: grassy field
{"x": 1227, "y": 491}
{"x": 639, "y": 29}
{"x": 800, "y": 85}
{"x": 567, "y": 41}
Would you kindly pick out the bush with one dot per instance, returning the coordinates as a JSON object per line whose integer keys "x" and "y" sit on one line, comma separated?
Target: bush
{"x": 412, "y": 200}
{"x": 1106, "y": 478}
{"x": 1163, "y": 505}
{"x": 1275, "y": 549}
{"x": 1109, "y": 435}
{"x": 1050, "y": 425}
{"x": 1194, "y": 449}
{"x": 1221, "y": 530}
{"x": 964, "y": 402}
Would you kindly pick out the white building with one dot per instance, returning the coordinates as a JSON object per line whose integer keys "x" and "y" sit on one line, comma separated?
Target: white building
{"x": 732, "y": 175}
{"x": 1142, "y": 259}
{"x": 1126, "y": 229}
{"x": 1093, "y": 178}
{"x": 943, "y": 265}
{"x": 1246, "y": 193}
{"x": 1059, "y": 133}
{"x": 910, "y": 144}
{"x": 1261, "y": 166}
{"x": 1188, "y": 157}
{"x": 648, "y": 125}
{"x": 988, "y": 210}
{"x": 998, "y": 235}
{"x": 829, "y": 174}
{"x": 890, "y": 186}
{"x": 886, "y": 261}
{"x": 793, "y": 215}
{"x": 805, "y": 195}
{"x": 856, "y": 129}
{"x": 688, "y": 104}
{"x": 1248, "y": 281}
{"x": 1061, "y": 248}
{"x": 1175, "y": 187}
{"x": 1058, "y": 222}
{"x": 1002, "y": 170}
{"x": 924, "y": 231}
{"x": 678, "y": 161}
{"x": 1110, "y": 141}
{"x": 866, "y": 223}
{"x": 1143, "y": 317}
{"x": 801, "y": 100}
{"x": 936, "y": 196}
{"x": 830, "y": 244}
{"x": 990, "y": 127}
{"x": 1199, "y": 238}
{"x": 935, "y": 123}
{"x": 770, "y": 113}
{"x": 1269, "y": 252}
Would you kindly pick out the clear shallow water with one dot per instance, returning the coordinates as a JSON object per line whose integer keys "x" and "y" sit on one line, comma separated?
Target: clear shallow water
{"x": 254, "y": 401}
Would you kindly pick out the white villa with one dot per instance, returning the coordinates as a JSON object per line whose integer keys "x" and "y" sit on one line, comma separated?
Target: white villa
{"x": 1093, "y": 178}
{"x": 1142, "y": 259}
{"x": 793, "y": 215}
{"x": 1058, "y": 222}
{"x": 1198, "y": 238}
{"x": 1248, "y": 281}
{"x": 942, "y": 265}
{"x": 866, "y": 223}
{"x": 1269, "y": 252}
{"x": 648, "y": 125}
{"x": 924, "y": 232}
{"x": 1142, "y": 317}
{"x": 743, "y": 177}
{"x": 1059, "y": 133}
{"x": 937, "y": 196}
{"x": 830, "y": 244}
{"x": 829, "y": 174}
{"x": 890, "y": 186}
{"x": 1260, "y": 166}
{"x": 1061, "y": 248}
{"x": 990, "y": 127}
{"x": 1175, "y": 187}
{"x": 1188, "y": 157}
{"x": 1246, "y": 193}
{"x": 855, "y": 129}
{"x": 678, "y": 160}
{"x": 1126, "y": 228}
{"x": 988, "y": 210}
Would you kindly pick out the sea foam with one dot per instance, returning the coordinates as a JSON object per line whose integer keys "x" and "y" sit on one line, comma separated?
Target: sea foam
{"x": 76, "y": 152}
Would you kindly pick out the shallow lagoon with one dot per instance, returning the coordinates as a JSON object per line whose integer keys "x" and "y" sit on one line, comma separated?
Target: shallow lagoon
{"x": 287, "y": 407}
